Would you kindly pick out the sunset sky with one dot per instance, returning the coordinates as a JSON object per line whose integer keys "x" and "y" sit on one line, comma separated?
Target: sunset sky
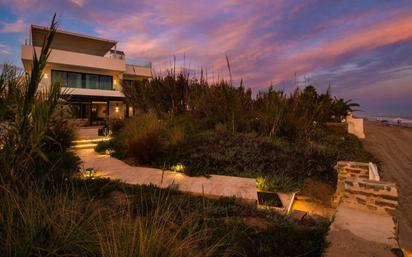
{"x": 363, "y": 49}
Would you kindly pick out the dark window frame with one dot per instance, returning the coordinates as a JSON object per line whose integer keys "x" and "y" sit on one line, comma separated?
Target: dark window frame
{"x": 83, "y": 79}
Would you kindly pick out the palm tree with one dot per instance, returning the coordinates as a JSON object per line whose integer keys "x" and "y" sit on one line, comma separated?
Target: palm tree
{"x": 343, "y": 107}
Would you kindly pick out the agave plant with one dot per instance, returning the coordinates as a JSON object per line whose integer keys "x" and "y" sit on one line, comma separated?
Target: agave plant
{"x": 27, "y": 113}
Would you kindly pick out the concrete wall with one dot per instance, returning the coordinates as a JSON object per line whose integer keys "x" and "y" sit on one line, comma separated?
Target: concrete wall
{"x": 62, "y": 57}
{"x": 355, "y": 126}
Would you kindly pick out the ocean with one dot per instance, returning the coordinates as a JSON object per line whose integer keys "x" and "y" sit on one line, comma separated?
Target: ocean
{"x": 393, "y": 120}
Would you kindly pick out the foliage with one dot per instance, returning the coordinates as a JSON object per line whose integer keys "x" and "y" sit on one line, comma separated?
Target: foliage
{"x": 34, "y": 134}
{"x": 282, "y": 165}
{"x": 270, "y": 113}
{"x": 31, "y": 111}
{"x": 106, "y": 218}
{"x": 278, "y": 183}
{"x": 143, "y": 137}
{"x": 279, "y": 137}
{"x": 343, "y": 107}
{"x": 116, "y": 125}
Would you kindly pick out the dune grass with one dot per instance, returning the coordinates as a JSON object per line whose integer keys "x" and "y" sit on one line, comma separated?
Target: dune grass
{"x": 96, "y": 217}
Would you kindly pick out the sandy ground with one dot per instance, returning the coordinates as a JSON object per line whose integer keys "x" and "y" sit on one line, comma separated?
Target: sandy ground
{"x": 392, "y": 145}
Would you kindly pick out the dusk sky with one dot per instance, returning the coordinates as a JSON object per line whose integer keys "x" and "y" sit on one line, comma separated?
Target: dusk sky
{"x": 363, "y": 49}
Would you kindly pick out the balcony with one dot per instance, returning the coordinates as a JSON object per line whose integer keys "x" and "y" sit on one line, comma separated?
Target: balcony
{"x": 62, "y": 57}
{"x": 138, "y": 71}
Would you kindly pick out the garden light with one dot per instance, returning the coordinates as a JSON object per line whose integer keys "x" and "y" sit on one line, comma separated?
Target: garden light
{"x": 178, "y": 167}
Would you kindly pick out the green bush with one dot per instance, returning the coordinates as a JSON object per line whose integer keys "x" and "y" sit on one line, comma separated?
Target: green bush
{"x": 278, "y": 183}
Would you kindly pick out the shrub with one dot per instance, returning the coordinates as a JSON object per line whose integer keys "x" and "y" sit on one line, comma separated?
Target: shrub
{"x": 59, "y": 166}
{"x": 278, "y": 183}
{"x": 144, "y": 137}
{"x": 102, "y": 146}
{"x": 59, "y": 136}
{"x": 281, "y": 164}
{"x": 116, "y": 126}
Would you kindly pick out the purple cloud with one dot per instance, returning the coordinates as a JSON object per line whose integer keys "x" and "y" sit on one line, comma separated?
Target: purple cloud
{"x": 361, "y": 48}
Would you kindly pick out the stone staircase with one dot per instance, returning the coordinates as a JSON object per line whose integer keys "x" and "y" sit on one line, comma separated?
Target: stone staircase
{"x": 87, "y": 143}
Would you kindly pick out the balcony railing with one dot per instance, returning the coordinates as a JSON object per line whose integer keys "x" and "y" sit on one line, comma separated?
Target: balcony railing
{"x": 76, "y": 59}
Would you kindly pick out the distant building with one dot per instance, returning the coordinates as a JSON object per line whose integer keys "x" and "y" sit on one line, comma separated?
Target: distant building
{"x": 90, "y": 68}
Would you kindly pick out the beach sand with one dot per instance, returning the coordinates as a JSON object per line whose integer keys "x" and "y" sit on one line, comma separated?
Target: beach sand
{"x": 392, "y": 145}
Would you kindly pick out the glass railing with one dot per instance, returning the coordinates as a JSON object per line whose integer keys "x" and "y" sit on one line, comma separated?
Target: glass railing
{"x": 137, "y": 62}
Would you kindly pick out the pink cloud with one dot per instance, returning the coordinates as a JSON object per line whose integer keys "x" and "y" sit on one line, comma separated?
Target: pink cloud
{"x": 18, "y": 26}
{"x": 326, "y": 53}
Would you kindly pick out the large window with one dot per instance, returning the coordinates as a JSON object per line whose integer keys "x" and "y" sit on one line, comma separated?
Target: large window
{"x": 82, "y": 80}
{"x": 74, "y": 79}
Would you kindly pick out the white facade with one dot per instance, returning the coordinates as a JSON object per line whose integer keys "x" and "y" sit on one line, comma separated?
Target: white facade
{"x": 91, "y": 71}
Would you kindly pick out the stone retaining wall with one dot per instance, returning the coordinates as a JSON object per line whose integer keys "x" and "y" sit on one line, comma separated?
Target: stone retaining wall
{"x": 371, "y": 195}
{"x": 348, "y": 170}
{"x": 356, "y": 189}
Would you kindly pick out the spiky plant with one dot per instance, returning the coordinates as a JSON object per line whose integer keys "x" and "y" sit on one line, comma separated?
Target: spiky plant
{"x": 29, "y": 111}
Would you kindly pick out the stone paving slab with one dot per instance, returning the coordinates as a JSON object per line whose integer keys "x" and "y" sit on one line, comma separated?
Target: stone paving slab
{"x": 215, "y": 185}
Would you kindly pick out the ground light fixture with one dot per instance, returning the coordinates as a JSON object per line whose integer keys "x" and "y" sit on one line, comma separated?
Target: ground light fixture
{"x": 178, "y": 167}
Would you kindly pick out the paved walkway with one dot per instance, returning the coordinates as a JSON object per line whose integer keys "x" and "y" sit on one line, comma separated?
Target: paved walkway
{"x": 214, "y": 185}
{"x": 359, "y": 233}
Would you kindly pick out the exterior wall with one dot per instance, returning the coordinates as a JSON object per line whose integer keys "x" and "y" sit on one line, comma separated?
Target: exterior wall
{"x": 78, "y": 55}
{"x": 76, "y": 59}
{"x": 355, "y": 126}
{"x": 112, "y": 110}
{"x": 46, "y": 80}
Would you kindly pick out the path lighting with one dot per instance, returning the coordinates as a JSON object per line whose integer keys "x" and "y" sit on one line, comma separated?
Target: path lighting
{"x": 178, "y": 167}
{"x": 90, "y": 172}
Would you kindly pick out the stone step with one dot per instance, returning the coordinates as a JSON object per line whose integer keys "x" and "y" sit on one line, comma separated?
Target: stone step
{"x": 84, "y": 146}
{"x": 88, "y": 143}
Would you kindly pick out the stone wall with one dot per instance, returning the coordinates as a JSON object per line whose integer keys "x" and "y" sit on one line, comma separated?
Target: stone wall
{"x": 371, "y": 195}
{"x": 348, "y": 170}
{"x": 356, "y": 188}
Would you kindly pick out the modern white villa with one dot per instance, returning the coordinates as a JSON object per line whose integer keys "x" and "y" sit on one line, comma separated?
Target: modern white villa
{"x": 90, "y": 69}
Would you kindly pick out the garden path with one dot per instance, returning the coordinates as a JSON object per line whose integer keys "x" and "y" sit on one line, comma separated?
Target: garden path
{"x": 214, "y": 185}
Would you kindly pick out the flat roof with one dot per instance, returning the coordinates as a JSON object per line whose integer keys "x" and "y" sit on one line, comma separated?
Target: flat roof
{"x": 71, "y": 41}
